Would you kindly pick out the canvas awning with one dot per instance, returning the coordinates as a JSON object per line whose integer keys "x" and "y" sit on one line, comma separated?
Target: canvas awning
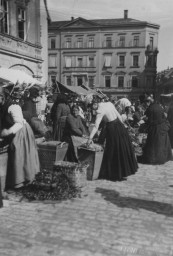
{"x": 8, "y": 75}
{"x": 169, "y": 95}
{"x": 73, "y": 89}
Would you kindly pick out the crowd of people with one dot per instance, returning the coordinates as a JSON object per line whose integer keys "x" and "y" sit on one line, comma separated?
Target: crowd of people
{"x": 24, "y": 117}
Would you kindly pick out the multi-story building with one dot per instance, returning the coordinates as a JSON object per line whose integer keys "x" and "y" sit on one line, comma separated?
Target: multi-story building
{"x": 164, "y": 82}
{"x": 20, "y": 36}
{"x": 118, "y": 56}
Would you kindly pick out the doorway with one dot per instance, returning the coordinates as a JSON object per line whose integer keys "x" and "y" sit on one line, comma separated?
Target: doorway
{"x": 79, "y": 81}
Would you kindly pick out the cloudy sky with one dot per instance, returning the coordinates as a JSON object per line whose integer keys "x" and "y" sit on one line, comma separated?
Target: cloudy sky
{"x": 155, "y": 11}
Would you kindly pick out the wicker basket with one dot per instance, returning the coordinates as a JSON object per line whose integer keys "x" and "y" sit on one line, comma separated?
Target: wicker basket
{"x": 51, "y": 151}
{"x": 76, "y": 173}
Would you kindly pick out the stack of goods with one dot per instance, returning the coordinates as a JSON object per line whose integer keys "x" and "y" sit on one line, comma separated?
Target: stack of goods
{"x": 50, "y": 185}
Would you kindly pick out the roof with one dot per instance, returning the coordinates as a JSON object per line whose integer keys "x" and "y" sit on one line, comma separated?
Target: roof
{"x": 102, "y": 22}
{"x": 48, "y": 15}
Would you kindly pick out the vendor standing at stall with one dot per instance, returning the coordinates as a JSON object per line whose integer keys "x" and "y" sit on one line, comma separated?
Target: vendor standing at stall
{"x": 23, "y": 161}
{"x": 119, "y": 159}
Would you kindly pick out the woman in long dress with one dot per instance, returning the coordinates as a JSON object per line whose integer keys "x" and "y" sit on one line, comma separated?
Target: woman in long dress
{"x": 119, "y": 159}
{"x": 23, "y": 161}
{"x": 157, "y": 149}
{"x": 59, "y": 112}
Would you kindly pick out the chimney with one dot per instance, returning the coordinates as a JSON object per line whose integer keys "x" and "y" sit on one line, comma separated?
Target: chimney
{"x": 72, "y": 18}
{"x": 125, "y": 14}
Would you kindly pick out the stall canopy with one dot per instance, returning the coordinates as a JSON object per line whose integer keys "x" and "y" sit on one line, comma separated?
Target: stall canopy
{"x": 73, "y": 89}
{"x": 169, "y": 95}
{"x": 13, "y": 76}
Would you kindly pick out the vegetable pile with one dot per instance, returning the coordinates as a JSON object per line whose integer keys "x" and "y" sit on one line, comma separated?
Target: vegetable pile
{"x": 49, "y": 185}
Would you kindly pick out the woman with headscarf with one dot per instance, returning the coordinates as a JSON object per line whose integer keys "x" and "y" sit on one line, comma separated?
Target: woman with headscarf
{"x": 118, "y": 159}
{"x": 75, "y": 133}
{"x": 23, "y": 161}
{"x": 157, "y": 149}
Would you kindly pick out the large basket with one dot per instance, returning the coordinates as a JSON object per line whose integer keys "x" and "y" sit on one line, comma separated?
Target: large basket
{"x": 76, "y": 173}
{"x": 51, "y": 151}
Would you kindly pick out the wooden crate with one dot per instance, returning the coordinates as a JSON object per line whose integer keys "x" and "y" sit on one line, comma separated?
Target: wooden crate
{"x": 51, "y": 151}
{"x": 93, "y": 159}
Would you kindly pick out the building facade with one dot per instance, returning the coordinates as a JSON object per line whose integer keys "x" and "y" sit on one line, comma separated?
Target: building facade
{"x": 20, "y": 36}
{"x": 118, "y": 56}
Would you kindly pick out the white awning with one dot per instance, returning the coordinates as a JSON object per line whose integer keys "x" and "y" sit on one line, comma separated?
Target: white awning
{"x": 13, "y": 76}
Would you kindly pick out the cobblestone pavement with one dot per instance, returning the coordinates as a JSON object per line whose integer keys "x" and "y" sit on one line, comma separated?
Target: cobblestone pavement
{"x": 129, "y": 218}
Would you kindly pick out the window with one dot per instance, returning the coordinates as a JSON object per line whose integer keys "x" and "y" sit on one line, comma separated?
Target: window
{"x": 108, "y": 42}
{"x": 107, "y": 60}
{"x": 121, "y": 61}
{"x": 4, "y": 23}
{"x": 122, "y": 41}
{"x": 121, "y": 81}
{"x": 52, "y": 43}
{"x": 21, "y": 23}
{"x": 91, "y": 81}
{"x": 107, "y": 81}
{"x": 79, "y": 81}
{"x": 80, "y": 43}
{"x": 68, "y": 43}
{"x": 91, "y": 42}
{"x": 135, "y": 61}
{"x": 68, "y": 80}
{"x": 52, "y": 61}
{"x": 53, "y": 80}
{"x": 149, "y": 81}
{"x": 91, "y": 61}
{"x": 136, "y": 41}
{"x": 79, "y": 62}
{"x": 134, "y": 81}
{"x": 67, "y": 62}
{"x": 151, "y": 42}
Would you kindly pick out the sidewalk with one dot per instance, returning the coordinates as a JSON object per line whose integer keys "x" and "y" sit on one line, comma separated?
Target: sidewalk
{"x": 128, "y": 218}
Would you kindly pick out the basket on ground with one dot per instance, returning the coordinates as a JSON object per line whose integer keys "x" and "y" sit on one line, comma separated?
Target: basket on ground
{"x": 51, "y": 151}
{"x": 76, "y": 173}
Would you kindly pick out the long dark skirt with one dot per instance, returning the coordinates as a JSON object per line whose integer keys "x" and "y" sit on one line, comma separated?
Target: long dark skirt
{"x": 119, "y": 160}
{"x": 58, "y": 128}
{"x": 171, "y": 135}
{"x": 157, "y": 149}
{"x": 23, "y": 161}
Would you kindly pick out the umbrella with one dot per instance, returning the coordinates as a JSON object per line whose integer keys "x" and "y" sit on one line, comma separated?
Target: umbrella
{"x": 16, "y": 76}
